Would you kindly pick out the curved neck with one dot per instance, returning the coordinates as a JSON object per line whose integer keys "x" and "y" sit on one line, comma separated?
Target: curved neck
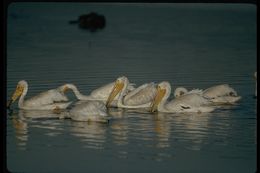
{"x": 21, "y": 99}
{"x": 121, "y": 104}
{"x": 78, "y": 94}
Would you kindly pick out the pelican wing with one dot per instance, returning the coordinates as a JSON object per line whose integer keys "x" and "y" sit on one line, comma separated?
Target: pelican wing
{"x": 219, "y": 91}
{"x": 89, "y": 111}
{"x": 226, "y": 99}
{"x": 46, "y": 98}
{"x": 131, "y": 87}
{"x": 53, "y": 106}
{"x": 192, "y": 103}
{"x": 103, "y": 92}
{"x": 141, "y": 95}
{"x": 197, "y": 91}
{"x": 90, "y": 107}
{"x": 188, "y": 100}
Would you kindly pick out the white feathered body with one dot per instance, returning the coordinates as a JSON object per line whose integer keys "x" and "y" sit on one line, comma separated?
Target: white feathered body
{"x": 89, "y": 111}
{"x": 53, "y": 99}
{"x": 221, "y": 94}
{"x": 45, "y": 98}
{"x": 191, "y": 102}
{"x": 102, "y": 93}
{"x": 144, "y": 94}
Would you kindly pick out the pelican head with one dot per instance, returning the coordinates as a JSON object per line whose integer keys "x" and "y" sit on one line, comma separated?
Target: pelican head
{"x": 180, "y": 91}
{"x": 18, "y": 92}
{"x": 64, "y": 88}
{"x": 163, "y": 90}
{"x": 120, "y": 83}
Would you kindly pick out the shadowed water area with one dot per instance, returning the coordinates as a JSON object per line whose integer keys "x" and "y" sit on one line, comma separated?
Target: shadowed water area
{"x": 190, "y": 45}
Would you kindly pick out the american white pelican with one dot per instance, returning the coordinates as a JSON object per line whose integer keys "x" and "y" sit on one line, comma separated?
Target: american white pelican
{"x": 53, "y": 99}
{"x": 140, "y": 97}
{"x": 255, "y": 84}
{"x": 186, "y": 103}
{"x": 101, "y": 93}
{"x": 89, "y": 111}
{"x": 220, "y": 94}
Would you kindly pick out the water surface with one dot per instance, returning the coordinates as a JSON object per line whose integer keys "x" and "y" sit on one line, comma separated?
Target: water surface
{"x": 190, "y": 45}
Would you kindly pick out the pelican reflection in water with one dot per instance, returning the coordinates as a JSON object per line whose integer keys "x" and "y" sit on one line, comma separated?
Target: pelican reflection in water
{"x": 92, "y": 135}
{"x": 21, "y": 130}
{"x": 162, "y": 129}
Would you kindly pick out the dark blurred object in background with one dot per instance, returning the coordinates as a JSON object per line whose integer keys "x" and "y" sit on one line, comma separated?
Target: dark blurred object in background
{"x": 91, "y": 21}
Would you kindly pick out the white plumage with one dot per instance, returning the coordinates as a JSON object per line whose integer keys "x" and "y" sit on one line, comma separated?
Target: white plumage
{"x": 220, "y": 94}
{"x": 186, "y": 103}
{"x": 181, "y": 91}
{"x": 89, "y": 111}
{"x": 101, "y": 93}
{"x": 140, "y": 97}
{"x": 49, "y": 100}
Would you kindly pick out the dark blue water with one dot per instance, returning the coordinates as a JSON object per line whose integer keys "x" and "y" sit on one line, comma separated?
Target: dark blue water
{"x": 190, "y": 45}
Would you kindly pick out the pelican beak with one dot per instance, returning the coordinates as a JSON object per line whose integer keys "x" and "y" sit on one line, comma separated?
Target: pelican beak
{"x": 158, "y": 98}
{"x": 18, "y": 92}
{"x": 116, "y": 89}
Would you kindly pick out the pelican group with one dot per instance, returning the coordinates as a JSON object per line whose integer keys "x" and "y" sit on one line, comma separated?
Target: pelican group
{"x": 122, "y": 94}
{"x": 191, "y": 102}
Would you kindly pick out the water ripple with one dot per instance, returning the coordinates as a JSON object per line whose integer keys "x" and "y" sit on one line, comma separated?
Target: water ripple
{"x": 209, "y": 45}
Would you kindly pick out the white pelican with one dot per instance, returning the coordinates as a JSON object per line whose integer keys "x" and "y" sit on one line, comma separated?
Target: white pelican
{"x": 53, "y": 99}
{"x": 186, "y": 103}
{"x": 101, "y": 93}
{"x": 140, "y": 97}
{"x": 220, "y": 94}
{"x": 89, "y": 111}
{"x": 255, "y": 84}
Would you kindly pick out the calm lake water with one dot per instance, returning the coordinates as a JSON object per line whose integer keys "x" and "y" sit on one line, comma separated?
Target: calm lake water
{"x": 190, "y": 45}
